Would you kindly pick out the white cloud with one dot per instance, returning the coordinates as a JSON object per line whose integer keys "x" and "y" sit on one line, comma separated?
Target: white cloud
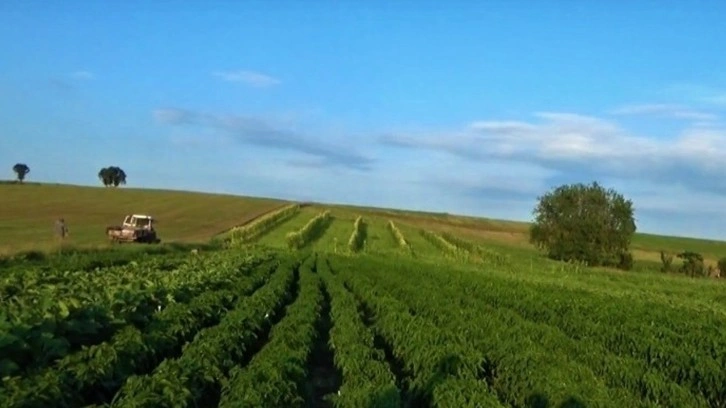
{"x": 251, "y": 78}
{"x": 589, "y": 146}
{"x": 664, "y": 110}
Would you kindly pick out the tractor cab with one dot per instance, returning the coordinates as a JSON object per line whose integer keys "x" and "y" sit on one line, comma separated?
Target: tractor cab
{"x": 139, "y": 222}
{"x": 135, "y": 228}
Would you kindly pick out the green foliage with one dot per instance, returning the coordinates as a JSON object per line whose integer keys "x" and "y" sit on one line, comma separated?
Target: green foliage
{"x": 367, "y": 378}
{"x": 214, "y": 351}
{"x": 582, "y": 344}
{"x": 112, "y": 176}
{"x": 666, "y": 260}
{"x": 585, "y": 223}
{"x": 275, "y": 376}
{"x": 21, "y": 170}
{"x": 313, "y": 229}
{"x": 693, "y": 264}
{"x": 221, "y": 280}
{"x": 429, "y": 352}
{"x": 358, "y": 237}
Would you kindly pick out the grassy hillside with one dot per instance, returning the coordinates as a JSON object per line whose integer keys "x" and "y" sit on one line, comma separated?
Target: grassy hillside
{"x": 27, "y": 213}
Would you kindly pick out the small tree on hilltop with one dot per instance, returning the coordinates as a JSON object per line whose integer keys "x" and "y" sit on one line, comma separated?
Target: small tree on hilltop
{"x": 112, "y": 176}
{"x": 21, "y": 170}
{"x": 585, "y": 223}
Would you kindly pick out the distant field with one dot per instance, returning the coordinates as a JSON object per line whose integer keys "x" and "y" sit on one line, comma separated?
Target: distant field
{"x": 27, "y": 213}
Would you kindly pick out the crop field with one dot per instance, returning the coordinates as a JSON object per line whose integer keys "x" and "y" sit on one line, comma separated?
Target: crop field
{"x": 311, "y": 306}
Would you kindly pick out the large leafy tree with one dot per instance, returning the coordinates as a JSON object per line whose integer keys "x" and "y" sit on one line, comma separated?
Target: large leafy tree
{"x": 21, "y": 170}
{"x": 585, "y": 223}
{"x": 112, "y": 176}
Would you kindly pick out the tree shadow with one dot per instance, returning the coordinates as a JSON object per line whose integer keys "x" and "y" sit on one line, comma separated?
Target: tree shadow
{"x": 390, "y": 398}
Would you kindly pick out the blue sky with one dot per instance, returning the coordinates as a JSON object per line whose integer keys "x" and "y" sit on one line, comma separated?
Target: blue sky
{"x": 461, "y": 107}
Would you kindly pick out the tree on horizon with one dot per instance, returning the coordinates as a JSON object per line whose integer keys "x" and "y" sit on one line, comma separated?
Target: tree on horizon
{"x": 112, "y": 176}
{"x": 21, "y": 170}
{"x": 585, "y": 223}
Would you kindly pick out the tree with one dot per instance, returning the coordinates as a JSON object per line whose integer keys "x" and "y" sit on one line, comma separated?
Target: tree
{"x": 21, "y": 170}
{"x": 585, "y": 223}
{"x": 112, "y": 176}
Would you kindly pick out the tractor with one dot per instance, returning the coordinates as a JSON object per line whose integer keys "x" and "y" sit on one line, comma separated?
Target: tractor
{"x": 135, "y": 228}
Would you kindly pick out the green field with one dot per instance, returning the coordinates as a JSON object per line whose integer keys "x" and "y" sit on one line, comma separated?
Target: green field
{"x": 466, "y": 315}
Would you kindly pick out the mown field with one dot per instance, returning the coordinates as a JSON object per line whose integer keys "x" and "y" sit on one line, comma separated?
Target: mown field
{"x": 337, "y": 306}
{"x": 27, "y": 214}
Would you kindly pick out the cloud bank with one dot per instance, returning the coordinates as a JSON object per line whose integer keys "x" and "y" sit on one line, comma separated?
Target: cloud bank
{"x": 591, "y": 147}
{"x": 314, "y": 152}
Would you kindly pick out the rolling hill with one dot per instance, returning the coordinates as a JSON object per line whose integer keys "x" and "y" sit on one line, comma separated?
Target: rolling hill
{"x": 29, "y": 210}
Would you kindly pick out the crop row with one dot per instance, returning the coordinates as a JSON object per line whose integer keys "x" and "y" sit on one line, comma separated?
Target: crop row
{"x": 447, "y": 247}
{"x": 72, "y": 290}
{"x": 432, "y": 356}
{"x": 560, "y": 367}
{"x": 367, "y": 378}
{"x": 260, "y": 226}
{"x": 36, "y": 332}
{"x": 486, "y": 254}
{"x": 28, "y": 285}
{"x": 298, "y": 239}
{"x": 197, "y": 375}
{"x": 275, "y": 376}
{"x": 397, "y": 235}
{"x": 358, "y": 237}
{"x": 684, "y": 347}
{"x": 39, "y": 267}
{"x": 96, "y": 372}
